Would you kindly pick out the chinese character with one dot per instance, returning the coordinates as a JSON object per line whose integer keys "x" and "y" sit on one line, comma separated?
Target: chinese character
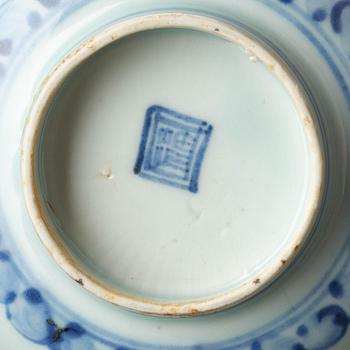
{"x": 172, "y": 148}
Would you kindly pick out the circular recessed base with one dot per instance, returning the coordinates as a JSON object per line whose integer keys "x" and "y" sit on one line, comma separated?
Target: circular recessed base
{"x": 177, "y": 170}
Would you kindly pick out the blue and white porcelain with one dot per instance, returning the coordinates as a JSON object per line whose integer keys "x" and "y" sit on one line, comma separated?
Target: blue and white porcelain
{"x": 174, "y": 158}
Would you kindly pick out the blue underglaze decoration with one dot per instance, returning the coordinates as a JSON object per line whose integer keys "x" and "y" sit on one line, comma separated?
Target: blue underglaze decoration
{"x": 5, "y": 47}
{"x": 32, "y": 296}
{"x": 172, "y": 148}
{"x": 34, "y": 20}
{"x": 4, "y": 256}
{"x": 74, "y": 330}
{"x": 66, "y": 338}
{"x": 298, "y": 347}
{"x": 339, "y": 320}
{"x": 319, "y": 327}
{"x": 83, "y": 344}
{"x": 319, "y": 15}
{"x": 2, "y": 71}
{"x": 339, "y": 20}
{"x": 256, "y": 346}
{"x": 336, "y": 14}
{"x": 29, "y": 313}
{"x": 336, "y": 289}
{"x": 329, "y": 325}
{"x": 340, "y": 316}
{"x": 49, "y": 3}
{"x": 10, "y": 298}
{"x": 302, "y": 331}
{"x": 323, "y": 51}
{"x": 8, "y": 281}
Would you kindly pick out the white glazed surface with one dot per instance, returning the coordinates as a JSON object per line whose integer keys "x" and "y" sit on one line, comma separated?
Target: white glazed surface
{"x": 128, "y": 227}
{"x": 264, "y": 151}
{"x": 273, "y": 317}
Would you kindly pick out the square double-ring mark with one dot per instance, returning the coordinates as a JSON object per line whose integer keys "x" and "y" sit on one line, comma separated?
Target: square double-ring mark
{"x": 172, "y": 148}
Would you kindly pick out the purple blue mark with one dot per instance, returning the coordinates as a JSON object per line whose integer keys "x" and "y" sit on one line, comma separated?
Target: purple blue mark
{"x": 172, "y": 148}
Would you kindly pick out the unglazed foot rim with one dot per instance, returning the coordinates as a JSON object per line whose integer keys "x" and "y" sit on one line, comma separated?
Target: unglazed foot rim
{"x": 47, "y": 232}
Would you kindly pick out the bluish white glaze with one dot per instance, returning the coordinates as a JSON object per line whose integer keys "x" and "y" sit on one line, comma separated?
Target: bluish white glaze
{"x": 244, "y": 262}
{"x": 330, "y": 298}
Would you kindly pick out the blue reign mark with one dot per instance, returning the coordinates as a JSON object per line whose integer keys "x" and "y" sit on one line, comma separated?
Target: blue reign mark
{"x": 172, "y": 148}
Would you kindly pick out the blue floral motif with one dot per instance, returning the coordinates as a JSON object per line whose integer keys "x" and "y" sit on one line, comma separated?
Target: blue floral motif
{"x": 321, "y": 9}
{"x": 70, "y": 337}
{"x": 322, "y": 326}
{"x": 336, "y": 15}
{"x": 34, "y": 20}
{"x": 324, "y": 329}
{"x": 28, "y": 314}
{"x": 8, "y": 282}
{"x": 31, "y": 315}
